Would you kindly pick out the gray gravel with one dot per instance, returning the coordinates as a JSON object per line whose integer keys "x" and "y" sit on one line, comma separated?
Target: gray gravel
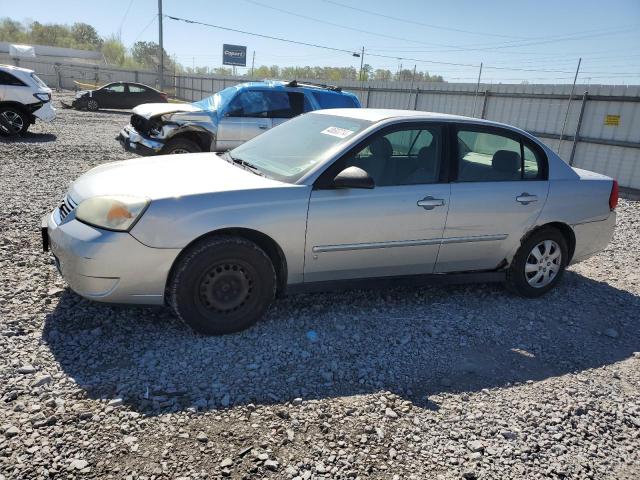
{"x": 439, "y": 383}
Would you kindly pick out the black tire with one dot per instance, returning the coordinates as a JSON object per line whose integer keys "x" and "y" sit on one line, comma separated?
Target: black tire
{"x": 92, "y": 105}
{"x": 222, "y": 284}
{"x": 13, "y": 121}
{"x": 521, "y": 275}
{"x": 181, "y": 145}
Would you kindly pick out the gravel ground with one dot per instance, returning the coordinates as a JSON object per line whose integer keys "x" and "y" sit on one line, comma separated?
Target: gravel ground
{"x": 439, "y": 383}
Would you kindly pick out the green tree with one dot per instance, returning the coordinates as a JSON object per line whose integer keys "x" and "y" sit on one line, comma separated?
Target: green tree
{"x": 12, "y": 31}
{"x": 85, "y": 35}
{"x": 114, "y": 51}
{"x": 147, "y": 55}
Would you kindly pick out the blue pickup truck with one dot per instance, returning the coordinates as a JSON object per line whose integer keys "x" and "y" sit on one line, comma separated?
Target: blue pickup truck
{"x": 226, "y": 119}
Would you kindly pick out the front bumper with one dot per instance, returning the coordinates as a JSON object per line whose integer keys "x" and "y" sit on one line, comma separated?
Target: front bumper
{"x": 107, "y": 266}
{"x": 132, "y": 141}
{"x": 46, "y": 112}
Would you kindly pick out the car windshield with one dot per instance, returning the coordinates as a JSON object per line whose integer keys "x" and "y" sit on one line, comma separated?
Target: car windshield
{"x": 217, "y": 100}
{"x": 290, "y": 150}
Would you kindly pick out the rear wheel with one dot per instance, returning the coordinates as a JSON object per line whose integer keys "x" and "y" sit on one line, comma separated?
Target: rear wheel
{"x": 13, "y": 121}
{"x": 92, "y": 105}
{"x": 539, "y": 264}
{"x": 181, "y": 145}
{"x": 223, "y": 284}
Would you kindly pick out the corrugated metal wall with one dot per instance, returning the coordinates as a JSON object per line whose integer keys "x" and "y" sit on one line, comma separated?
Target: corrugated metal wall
{"x": 540, "y": 109}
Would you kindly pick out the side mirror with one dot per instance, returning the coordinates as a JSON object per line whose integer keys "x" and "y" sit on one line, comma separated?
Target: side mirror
{"x": 353, "y": 177}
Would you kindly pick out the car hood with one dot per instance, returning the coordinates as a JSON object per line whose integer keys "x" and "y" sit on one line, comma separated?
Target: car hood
{"x": 148, "y": 110}
{"x": 167, "y": 176}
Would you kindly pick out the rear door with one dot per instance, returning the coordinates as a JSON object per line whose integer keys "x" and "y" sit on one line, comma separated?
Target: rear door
{"x": 247, "y": 116}
{"x": 139, "y": 95}
{"x": 392, "y": 229}
{"x": 500, "y": 186}
{"x": 284, "y": 105}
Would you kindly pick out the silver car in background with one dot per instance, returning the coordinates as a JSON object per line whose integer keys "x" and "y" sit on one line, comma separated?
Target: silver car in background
{"x": 331, "y": 199}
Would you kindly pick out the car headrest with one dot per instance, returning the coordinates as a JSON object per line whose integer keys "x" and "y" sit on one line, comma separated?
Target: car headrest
{"x": 427, "y": 154}
{"x": 506, "y": 161}
{"x": 381, "y": 147}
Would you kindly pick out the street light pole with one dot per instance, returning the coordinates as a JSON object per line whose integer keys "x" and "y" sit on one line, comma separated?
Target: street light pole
{"x": 160, "y": 44}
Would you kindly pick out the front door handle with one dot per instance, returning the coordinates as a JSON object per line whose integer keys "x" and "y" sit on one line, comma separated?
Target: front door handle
{"x": 429, "y": 203}
{"x": 526, "y": 199}
{"x": 262, "y": 127}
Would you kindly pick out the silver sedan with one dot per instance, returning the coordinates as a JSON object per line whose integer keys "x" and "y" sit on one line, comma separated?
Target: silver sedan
{"x": 331, "y": 199}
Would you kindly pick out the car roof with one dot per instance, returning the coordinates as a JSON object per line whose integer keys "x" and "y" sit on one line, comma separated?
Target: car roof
{"x": 282, "y": 85}
{"x": 15, "y": 69}
{"x": 379, "y": 114}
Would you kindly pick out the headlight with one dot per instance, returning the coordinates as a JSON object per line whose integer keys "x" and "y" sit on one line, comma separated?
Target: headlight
{"x": 45, "y": 97}
{"x": 115, "y": 212}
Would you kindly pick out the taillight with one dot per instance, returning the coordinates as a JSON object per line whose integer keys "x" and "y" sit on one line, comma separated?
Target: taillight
{"x": 613, "y": 198}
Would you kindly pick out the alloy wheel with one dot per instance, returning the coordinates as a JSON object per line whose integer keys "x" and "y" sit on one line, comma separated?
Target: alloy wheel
{"x": 13, "y": 120}
{"x": 543, "y": 263}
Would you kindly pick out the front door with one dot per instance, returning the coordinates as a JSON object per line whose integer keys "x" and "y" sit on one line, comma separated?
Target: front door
{"x": 499, "y": 193}
{"x": 246, "y": 117}
{"x": 394, "y": 228}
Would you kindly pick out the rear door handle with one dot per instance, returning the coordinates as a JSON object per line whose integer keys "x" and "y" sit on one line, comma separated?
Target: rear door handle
{"x": 526, "y": 199}
{"x": 262, "y": 127}
{"x": 429, "y": 203}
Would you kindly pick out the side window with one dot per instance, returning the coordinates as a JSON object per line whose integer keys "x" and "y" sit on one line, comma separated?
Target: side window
{"x": 248, "y": 103}
{"x": 8, "y": 79}
{"x": 117, "y": 88}
{"x": 136, "y": 89}
{"x": 281, "y": 104}
{"x": 403, "y": 157}
{"x": 487, "y": 157}
{"x": 533, "y": 166}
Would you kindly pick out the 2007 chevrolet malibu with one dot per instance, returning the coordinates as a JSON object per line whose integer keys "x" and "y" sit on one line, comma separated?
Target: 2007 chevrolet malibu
{"x": 330, "y": 199}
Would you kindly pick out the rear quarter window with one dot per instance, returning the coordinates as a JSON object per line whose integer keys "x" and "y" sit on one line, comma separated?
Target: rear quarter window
{"x": 329, "y": 99}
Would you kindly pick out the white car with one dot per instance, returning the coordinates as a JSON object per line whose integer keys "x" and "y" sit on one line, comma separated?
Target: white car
{"x": 23, "y": 98}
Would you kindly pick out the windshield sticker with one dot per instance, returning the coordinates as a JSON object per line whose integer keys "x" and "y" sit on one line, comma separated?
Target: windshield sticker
{"x": 337, "y": 132}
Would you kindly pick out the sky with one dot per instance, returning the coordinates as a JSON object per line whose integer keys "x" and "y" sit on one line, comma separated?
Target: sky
{"x": 536, "y": 41}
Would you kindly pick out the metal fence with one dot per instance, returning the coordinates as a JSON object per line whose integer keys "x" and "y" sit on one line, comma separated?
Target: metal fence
{"x": 602, "y": 130}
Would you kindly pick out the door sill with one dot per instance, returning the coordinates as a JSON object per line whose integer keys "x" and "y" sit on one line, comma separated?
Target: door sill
{"x": 398, "y": 281}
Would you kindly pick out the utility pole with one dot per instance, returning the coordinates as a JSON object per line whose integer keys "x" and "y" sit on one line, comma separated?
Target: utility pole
{"x": 361, "y": 65}
{"x": 413, "y": 77}
{"x": 161, "y": 55}
{"x": 475, "y": 97}
{"x": 566, "y": 115}
{"x": 253, "y": 61}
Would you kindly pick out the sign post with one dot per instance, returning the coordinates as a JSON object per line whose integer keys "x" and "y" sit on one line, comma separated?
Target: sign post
{"x": 235, "y": 55}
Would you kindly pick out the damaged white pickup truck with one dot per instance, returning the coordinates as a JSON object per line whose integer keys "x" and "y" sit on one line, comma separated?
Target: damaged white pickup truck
{"x": 226, "y": 119}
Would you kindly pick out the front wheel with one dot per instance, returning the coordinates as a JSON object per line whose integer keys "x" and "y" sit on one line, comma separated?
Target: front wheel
{"x": 181, "y": 145}
{"x": 539, "y": 264}
{"x": 93, "y": 105}
{"x": 222, "y": 284}
{"x": 13, "y": 121}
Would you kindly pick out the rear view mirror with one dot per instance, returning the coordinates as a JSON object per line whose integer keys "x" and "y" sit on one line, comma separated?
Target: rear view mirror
{"x": 353, "y": 177}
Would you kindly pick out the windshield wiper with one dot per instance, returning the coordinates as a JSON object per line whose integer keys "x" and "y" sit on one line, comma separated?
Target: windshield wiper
{"x": 246, "y": 165}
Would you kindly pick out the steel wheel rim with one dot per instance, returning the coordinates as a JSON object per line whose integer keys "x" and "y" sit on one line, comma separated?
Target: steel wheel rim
{"x": 14, "y": 120}
{"x": 224, "y": 288}
{"x": 543, "y": 264}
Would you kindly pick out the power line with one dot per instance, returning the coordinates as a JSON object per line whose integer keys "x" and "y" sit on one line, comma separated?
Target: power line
{"x": 124, "y": 17}
{"x": 405, "y": 20}
{"x": 351, "y": 52}
{"x": 153, "y": 18}
{"x": 346, "y": 27}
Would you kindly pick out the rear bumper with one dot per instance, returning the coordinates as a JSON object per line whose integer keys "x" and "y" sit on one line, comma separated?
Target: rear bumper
{"x": 132, "y": 141}
{"x": 108, "y": 266}
{"x": 593, "y": 237}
